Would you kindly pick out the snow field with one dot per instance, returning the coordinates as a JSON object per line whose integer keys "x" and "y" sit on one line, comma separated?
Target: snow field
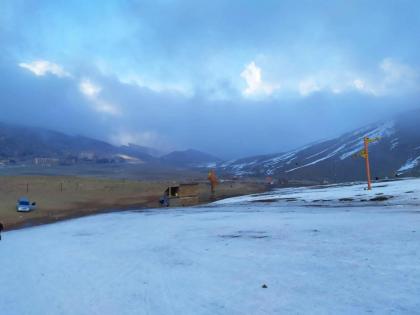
{"x": 214, "y": 260}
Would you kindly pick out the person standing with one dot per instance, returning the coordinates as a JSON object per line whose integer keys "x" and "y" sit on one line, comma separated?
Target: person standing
{"x": 1, "y": 229}
{"x": 213, "y": 181}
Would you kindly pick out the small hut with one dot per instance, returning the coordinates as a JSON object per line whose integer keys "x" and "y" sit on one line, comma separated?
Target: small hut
{"x": 180, "y": 195}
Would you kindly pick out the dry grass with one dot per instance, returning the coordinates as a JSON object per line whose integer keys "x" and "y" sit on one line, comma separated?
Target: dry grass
{"x": 61, "y": 197}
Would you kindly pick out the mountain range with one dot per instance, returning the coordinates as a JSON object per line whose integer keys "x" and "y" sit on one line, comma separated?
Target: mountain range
{"x": 397, "y": 153}
{"x": 22, "y": 144}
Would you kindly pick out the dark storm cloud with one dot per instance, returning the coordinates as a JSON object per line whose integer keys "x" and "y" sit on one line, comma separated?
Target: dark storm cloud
{"x": 226, "y": 127}
{"x": 233, "y": 78}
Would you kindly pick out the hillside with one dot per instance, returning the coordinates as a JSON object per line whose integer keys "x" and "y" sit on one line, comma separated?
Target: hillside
{"x": 30, "y": 145}
{"x": 396, "y": 154}
{"x": 21, "y": 143}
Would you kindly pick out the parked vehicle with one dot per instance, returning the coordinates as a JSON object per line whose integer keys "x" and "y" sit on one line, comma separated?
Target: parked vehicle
{"x": 23, "y": 205}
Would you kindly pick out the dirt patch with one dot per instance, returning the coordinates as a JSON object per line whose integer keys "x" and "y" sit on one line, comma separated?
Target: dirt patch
{"x": 381, "y": 198}
{"x": 267, "y": 200}
{"x": 229, "y": 235}
{"x": 274, "y": 200}
{"x": 246, "y": 234}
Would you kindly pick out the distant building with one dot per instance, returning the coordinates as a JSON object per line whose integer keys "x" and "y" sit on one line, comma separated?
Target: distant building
{"x": 69, "y": 160}
{"x": 7, "y": 162}
{"x": 87, "y": 156}
{"x": 45, "y": 161}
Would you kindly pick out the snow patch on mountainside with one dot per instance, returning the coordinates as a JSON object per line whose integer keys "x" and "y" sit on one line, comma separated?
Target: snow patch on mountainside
{"x": 316, "y": 154}
{"x": 410, "y": 164}
{"x": 130, "y": 159}
{"x": 354, "y": 146}
{"x": 384, "y": 130}
{"x": 319, "y": 160}
{"x": 280, "y": 158}
{"x": 338, "y": 149}
{"x": 394, "y": 143}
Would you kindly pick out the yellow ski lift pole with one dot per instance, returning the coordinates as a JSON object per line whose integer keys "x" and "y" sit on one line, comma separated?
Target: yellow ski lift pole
{"x": 366, "y": 156}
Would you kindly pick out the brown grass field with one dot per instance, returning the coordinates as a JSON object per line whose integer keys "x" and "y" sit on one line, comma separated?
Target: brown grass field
{"x": 63, "y": 197}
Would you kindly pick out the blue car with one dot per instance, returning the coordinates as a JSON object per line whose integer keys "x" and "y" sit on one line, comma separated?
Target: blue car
{"x": 23, "y": 205}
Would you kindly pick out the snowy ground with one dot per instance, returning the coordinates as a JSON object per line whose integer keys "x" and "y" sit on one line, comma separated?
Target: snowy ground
{"x": 316, "y": 257}
{"x": 387, "y": 193}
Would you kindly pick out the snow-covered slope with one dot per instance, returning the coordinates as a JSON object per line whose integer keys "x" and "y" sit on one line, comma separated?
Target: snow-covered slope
{"x": 215, "y": 259}
{"x": 404, "y": 192}
{"x": 398, "y": 152}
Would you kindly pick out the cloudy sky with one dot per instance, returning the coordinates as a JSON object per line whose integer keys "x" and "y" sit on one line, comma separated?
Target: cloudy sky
{"x": 230, "y": 77}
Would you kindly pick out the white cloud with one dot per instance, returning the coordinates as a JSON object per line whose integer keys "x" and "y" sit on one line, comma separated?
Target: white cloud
{"x": 359, "y": 84}
{"x": 325, "y": 80}
{"x": 362, "y": 86}
{"x": 156, "y": 86}
{"x": 308, "y": 86}
{"x": 89, "y": 89}
{"x": 387, "y": 77}
{"x": 106, "y": 107}
{"x": 392, "y": 78}
{"x": 147, "y": 138}
{"x": 395, "y": 72}
{"x": 42, "y": 67}
{"x": 252, "y": 75}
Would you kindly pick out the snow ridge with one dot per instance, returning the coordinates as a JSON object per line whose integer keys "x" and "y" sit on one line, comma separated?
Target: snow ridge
{"x": 410, "y": 164}
{"x": 319, "y": 160}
